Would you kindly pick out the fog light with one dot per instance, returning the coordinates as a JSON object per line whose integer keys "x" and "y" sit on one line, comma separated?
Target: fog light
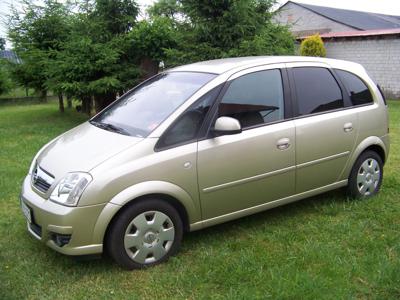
{"x": 60, "y": 239}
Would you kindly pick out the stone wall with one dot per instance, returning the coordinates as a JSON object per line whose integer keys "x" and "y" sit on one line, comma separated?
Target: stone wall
{"x": 379, "y": 56}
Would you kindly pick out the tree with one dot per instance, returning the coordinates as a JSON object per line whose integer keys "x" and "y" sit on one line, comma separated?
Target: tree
{"x": 171, "y": 9}
{"x": 149, "y": 39}
{"x": 2, "y": 43}
{"x": 36, "y": 34}
{"x": 313, "y": 46}
{"x": 94, "y": 61}
{"x": 97, "y": 49}
{"x": 86, "y": 69}
{"x": 208, "y": 29}
{"x": 117, "y": 16}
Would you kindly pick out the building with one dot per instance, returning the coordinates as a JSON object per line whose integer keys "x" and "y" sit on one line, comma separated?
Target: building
{"x": 9, "y": 55}
{"x": 370, "y": 39}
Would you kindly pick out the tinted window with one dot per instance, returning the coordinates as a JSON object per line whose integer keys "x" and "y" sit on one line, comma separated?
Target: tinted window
{"x": 359, "y": 92}
{"x": 187, "y": 127}
{"x": 317, "y": 90}
{"x": 140, "y": 111}
{"x": 254, "y": 99}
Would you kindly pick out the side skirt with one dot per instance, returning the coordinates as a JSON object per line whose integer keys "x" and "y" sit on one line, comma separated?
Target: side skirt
{"x": 265, "y": 206}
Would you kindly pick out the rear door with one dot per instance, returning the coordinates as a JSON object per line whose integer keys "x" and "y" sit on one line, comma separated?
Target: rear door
{"x": 239, "y": 171}
{"x": 326, "y": 126}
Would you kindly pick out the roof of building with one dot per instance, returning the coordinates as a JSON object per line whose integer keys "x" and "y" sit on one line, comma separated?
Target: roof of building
{"x": 10, "y": 55}
{"x": 357, "y": 33}
{"x": 357, "y": 19}
{"x": 219, "y": 66}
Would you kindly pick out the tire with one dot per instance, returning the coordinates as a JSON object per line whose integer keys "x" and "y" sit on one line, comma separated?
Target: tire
{"x": 144, "y": 234}
{"x": 366, "y": 176}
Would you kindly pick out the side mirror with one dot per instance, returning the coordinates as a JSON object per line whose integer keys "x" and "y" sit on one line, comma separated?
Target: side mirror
{"x": 226, "y": 126}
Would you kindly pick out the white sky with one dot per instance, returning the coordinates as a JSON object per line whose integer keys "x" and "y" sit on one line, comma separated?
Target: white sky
{"x": 390, "y": 7}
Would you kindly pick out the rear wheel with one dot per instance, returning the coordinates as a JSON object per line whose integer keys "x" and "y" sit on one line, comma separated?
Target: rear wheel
{"x": 144, "y": 234}
{"x": 366, "y": 176}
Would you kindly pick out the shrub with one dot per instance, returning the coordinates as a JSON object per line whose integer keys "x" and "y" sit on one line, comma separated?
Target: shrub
{"x": 313, "y": 46}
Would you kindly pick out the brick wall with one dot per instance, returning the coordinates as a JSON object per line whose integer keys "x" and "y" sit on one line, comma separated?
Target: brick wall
{"x": 379, "y": 56}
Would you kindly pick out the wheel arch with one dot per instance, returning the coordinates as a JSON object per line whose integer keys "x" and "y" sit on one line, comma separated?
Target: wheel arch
{"x": 371, "y": 143}
{"x": 377, "y": 149}
{"x": 171, "y": 193}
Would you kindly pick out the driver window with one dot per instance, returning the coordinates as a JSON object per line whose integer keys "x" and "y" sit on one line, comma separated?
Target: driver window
{"x": 254, "y": 99}
{"x": 187, "y": 127}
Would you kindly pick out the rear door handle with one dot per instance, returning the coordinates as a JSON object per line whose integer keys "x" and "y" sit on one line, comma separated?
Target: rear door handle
{"x": 283, "y": 144}
{"x": 348, "y": 127}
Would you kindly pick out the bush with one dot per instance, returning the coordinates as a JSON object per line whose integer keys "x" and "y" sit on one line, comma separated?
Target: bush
{"x": 313, "y": 46}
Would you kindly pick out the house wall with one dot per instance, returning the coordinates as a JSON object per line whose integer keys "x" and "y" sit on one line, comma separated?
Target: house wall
{"x": 305, "y": 22}
{"x": 379, "y": 56}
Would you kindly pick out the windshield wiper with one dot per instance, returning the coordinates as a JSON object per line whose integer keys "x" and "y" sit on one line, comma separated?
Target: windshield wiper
{"x": 110, "y": 127}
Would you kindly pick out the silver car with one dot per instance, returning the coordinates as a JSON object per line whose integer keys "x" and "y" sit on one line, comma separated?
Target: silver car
{"x": 203, "y": 144}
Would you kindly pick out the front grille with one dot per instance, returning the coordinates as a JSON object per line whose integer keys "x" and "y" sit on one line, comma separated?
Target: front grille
{"x": 41, "y": 179}
{"x": 41, "y": 185}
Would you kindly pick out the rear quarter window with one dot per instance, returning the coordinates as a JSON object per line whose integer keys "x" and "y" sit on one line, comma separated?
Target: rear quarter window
{"x": 358, "y": 91}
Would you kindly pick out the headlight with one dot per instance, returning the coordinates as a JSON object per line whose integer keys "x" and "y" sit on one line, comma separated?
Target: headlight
{"x": 69, "y": 190}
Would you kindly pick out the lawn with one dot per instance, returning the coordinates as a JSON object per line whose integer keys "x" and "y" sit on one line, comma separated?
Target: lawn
{"x": 326, "y": 247}
{"x": 18, "y": 93}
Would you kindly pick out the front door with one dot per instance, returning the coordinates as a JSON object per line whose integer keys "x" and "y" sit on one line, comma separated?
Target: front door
{"x": 256, "y": 166}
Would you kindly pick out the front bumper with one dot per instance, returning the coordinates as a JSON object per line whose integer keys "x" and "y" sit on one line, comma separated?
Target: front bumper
{"x": 51, "y": 220}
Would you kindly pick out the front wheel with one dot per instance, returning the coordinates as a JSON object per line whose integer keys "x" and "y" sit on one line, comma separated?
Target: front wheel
{"x": 366, "y": 176}
{"x": 144, "y": 234}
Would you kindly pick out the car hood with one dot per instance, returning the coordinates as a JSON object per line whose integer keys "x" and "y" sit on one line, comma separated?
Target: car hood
{"x": 81, "y": 149}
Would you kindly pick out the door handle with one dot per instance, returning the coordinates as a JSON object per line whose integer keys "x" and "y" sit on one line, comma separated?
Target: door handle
{"x": 348, "y": 127}
{"x": 283, "y": 144}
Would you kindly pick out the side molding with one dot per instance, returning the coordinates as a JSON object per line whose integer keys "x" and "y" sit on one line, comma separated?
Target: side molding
{"x": 265, "y": 206}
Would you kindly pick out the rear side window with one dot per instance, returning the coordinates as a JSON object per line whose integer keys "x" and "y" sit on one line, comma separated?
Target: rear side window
{"x": 317, "y": 90}
{"x": 254, "y": 99}
{"x": 359, "y": 92}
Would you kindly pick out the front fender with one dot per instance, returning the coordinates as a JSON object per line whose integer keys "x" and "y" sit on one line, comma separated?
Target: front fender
{"x": 143, "y": 189}
{"x": 368, "y": 142}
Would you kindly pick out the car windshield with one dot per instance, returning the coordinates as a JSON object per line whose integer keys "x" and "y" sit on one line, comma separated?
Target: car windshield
{"x": 141, "y": 110}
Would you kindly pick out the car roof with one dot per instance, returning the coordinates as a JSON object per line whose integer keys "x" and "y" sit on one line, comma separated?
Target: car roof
{"x": 220, "y": 66}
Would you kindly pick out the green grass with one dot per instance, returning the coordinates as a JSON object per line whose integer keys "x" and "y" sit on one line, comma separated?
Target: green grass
{"x": 18, "y": 92}
{"x": 323, "y": 247}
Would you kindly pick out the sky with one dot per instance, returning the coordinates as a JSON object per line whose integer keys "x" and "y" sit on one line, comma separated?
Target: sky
{"x": 391, "y": 7}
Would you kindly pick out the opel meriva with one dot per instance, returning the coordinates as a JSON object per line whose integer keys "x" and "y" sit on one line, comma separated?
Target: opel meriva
{"x": 202, "y": 144}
